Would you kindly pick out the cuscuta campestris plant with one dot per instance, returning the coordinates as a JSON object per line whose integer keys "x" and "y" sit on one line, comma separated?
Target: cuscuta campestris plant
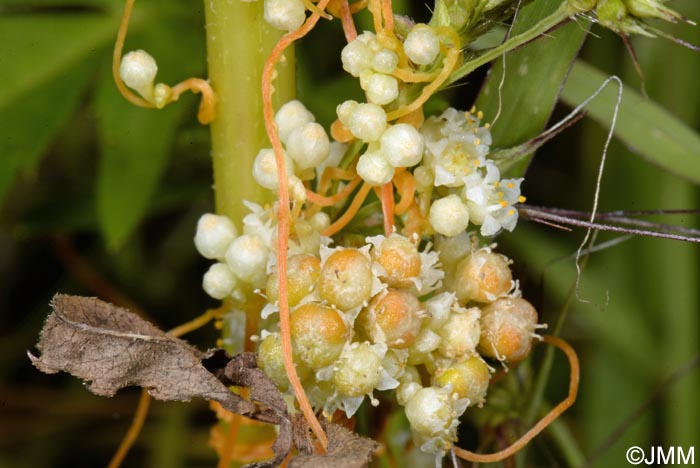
{"x": 425, "y": 296}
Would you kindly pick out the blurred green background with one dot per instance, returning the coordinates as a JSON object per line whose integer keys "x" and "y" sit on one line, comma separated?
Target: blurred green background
{"x": 100, "y": 198}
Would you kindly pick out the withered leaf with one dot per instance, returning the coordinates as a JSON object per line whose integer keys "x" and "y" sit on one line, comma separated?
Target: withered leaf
{"x": 242, "y": 370}
{"x": 345, "y": 450}
{"x": 110, "y": 348}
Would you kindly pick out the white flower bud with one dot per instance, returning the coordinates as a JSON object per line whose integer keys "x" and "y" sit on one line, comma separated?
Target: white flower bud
{"x": 308, "y": 145}
{"x": 219, "y": 281}
{"x": 320, "y": 221}
{"x": 358, "y": 371}
{"x": 138, "y": 70}
{"x": 356, "y": 56}
{"x": 367, "y": 122}
{"x": 430, "y": 411}
{"x": 247, "y": 257}
{"x": 449, "y": 215}
{"x": 286, "y": 15}
{"x": 214, "y": 234}
{"x": 345, "y": 110}
{"x": 374, "y": 168}
{"x": 291, "y": 115}
{"x": 297, "y": 191}
{"x": 422, "y": 45}
{"x": 381, "y": 89}
{"x": 265, "y": 168}
{"x": 403, "y": 145}
{"x": 385, "y": 61}
{"x": 460, "y": 333}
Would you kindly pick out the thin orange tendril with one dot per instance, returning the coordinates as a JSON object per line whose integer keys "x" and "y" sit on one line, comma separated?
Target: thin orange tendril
{"x": 406, "y": 186}
{"x": 117, "y": 59}
{"x": 542, "y": 423}
{"x": 322, "y": 200}
{"x": 386, "y": 195}
{"x": 352, "y": 210}
{"x": 341, "y": 9}
{"x": 207, "y": 110}
{"x": 284, "y": 221}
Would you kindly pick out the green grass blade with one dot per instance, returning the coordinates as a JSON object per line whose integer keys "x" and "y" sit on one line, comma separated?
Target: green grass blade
{"x": 31, "y": 121}
{"x": 38, "y": 48}
{"x": 533, "y": 80}
{"x": 645, "y": 127}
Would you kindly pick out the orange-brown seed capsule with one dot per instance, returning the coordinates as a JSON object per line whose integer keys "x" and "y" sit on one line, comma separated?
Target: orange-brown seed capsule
{"x": 401, "y": 260}
{"x": 482, "y": 276}
{"x": 346, "y": 279}
{"x": 469, "y": 379}
{"x": 507, "y": 329}
{"x": 303, "y": 271}
{"x": 393, "y": 318}
{"x": 319, "y": 334}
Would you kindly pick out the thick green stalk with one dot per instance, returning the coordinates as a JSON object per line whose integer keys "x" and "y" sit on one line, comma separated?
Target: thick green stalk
{"x": 238, "y": 43}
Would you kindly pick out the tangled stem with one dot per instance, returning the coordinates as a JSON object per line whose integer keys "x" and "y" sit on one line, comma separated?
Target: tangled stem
{"x": 207, "y": 110}
{"x": 284, "y": 221}
{"x": 542, "y": 423}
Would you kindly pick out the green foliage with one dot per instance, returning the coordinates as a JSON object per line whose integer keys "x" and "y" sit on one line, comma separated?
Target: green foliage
{"x": 60, "y": 114}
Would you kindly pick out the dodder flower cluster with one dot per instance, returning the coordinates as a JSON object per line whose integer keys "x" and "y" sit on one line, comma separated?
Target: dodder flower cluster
{"x": 421, "y": 311}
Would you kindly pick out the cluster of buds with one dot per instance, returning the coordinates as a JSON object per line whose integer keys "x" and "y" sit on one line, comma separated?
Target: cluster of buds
{"x": 427, "y": 312}
{"x": 385, "y": 316}
{"x": 628, "y": 16}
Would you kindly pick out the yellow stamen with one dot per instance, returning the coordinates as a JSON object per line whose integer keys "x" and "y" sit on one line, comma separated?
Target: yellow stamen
{"x": 500, "y": 194}
{"x": 510, "y": 185}
{"x": 472, "y": 110}
{"x": 477, "y": 141}
{"x": 480, "y": 115}
{"x": 503, "y": 204}
{"x": 511, "y": 212}
{"x": 487, "y": 125}
{"x": 521, "y": 199}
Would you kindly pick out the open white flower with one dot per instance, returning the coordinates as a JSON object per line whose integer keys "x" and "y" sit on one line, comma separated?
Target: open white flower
{"x": 456, "y": 146}
{"x": 491, "y": 200}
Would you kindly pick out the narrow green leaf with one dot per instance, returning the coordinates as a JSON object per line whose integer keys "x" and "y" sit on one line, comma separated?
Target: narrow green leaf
{"x": 644, "y": 126}
{"x": 533, "y": 79}
{"x": 35, "y": 49}
{"x": 135, "y": 144}
{"x": 31, "y": 121}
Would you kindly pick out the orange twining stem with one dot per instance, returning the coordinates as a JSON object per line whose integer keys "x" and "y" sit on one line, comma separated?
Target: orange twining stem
{"x": 341, "y": 9}
{"x": 386, "y": 195}
{"x": 207, "y": 106}
{"x": 388, "y": 14}
{"x": 409, "y": 76}
{"x": 134, "y": 430}
{"x": 448, "y": 64}
{"x": 284, "y": 221}
{"x": 376, "y": 10}
{"x": 321, "y": 200}
{"x": 545, "y": 421}
{"x": 406, "y": 186}
{"x": 333, "y": 173}
{"x": 117, "y": 58}
{"x": 352, "y": 210}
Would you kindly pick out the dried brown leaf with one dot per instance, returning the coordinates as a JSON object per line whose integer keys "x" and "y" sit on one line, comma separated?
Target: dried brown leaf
{"x": 345, "y": 450}
{"x": 111, "y": 348}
